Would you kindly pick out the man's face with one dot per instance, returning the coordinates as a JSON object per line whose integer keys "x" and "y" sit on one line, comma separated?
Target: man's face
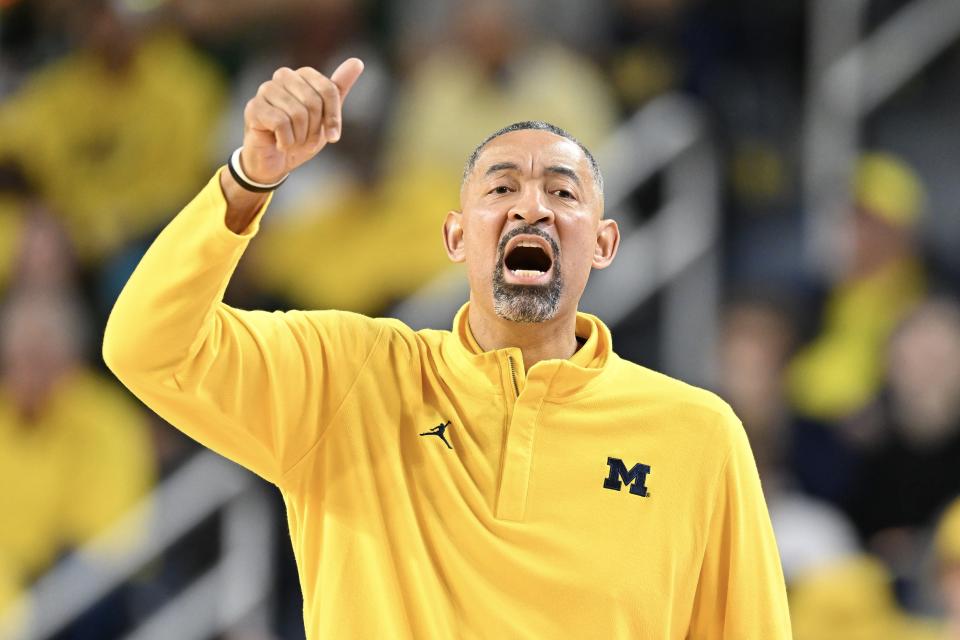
{"x": 531, "y": 226}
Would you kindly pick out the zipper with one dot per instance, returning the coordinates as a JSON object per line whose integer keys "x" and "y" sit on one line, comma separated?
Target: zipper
{"x": 513, "y": 376}
{"x": 508, "y": 421}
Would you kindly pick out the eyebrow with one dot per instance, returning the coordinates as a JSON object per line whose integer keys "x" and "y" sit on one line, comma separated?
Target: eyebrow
{"x": 511, "y": 166}
{"x": 565, "y": 171}
{"x": 501, "y": 166}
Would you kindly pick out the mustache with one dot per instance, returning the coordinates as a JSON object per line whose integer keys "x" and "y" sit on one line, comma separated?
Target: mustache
{"x": 527, "y": 229}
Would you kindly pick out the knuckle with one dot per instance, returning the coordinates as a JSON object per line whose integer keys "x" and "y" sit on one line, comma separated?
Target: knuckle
{"x": 264, "y": 86}
{"x": 314, "y": 104}
{"x": 300, "y": 115}
{"x": 272, "y": 118}
{"x": 282, "y": 72}
{"x": 330, "y": 91}
{"x": 332, "y": 107}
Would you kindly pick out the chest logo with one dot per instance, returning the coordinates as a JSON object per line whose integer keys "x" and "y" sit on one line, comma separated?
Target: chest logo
{"x": 636, "y": 477}
{"x": 439, "y": 431}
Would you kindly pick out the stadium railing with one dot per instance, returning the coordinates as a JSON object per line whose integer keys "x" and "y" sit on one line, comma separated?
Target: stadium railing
{"x": 234, "y": 589}
{"x": 849, "y": 76}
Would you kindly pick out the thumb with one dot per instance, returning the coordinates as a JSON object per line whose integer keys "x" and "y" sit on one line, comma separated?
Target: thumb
{"x": 346, "y": 75}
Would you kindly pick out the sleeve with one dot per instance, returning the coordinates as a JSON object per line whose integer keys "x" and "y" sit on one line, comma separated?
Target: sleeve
{"x": 259, "y": 388}
{"x": 741, "y": 593}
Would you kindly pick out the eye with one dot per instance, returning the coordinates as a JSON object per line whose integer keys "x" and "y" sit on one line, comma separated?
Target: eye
{"x": 563, "y": 193}
{"x": 500, "y": 189}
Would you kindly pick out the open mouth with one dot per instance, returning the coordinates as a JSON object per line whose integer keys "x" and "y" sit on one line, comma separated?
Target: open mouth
{"x": 528, "y": 258}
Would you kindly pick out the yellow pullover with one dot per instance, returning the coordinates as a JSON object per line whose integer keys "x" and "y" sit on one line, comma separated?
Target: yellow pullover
{"x": 434, "y": 490}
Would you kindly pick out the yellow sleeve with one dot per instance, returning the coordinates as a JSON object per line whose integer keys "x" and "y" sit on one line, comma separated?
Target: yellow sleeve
{"x": 259, "y": 388}
{"x": 741, "y": 593}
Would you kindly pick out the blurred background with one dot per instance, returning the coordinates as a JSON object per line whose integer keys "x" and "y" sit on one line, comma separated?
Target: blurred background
{"x": 786, "y": 175}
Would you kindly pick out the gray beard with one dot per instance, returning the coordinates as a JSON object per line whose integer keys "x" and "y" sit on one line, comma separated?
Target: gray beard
{"x": 526, "y": 302}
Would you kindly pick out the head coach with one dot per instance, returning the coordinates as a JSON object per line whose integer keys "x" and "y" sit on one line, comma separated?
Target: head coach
{"x": 510, "y": 478}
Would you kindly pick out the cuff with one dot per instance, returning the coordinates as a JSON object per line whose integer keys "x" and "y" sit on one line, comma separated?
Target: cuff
{"x": 218, "y": 203}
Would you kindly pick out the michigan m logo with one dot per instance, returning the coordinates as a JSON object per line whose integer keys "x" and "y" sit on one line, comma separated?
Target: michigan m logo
{"x": 636, "y": 477}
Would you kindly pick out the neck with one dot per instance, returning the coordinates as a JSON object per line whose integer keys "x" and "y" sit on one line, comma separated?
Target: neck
{"x": 554, "y": 339}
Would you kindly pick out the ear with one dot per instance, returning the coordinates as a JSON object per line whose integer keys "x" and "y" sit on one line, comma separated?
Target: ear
{"x": 453, "y": 236}
{"x": 608, "y": 241}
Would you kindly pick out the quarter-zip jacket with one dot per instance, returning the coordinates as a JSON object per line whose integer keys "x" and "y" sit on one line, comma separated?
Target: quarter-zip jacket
{"x": 436, "y": 490}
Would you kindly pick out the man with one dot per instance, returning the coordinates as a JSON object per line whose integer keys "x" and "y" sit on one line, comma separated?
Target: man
{"x": 582, "y": 496}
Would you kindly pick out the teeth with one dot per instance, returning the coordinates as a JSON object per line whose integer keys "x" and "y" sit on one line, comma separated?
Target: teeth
{"x": 527, "y": 273}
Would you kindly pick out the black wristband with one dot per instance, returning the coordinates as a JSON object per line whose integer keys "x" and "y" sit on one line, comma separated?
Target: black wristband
{"x": 233, "y": 165}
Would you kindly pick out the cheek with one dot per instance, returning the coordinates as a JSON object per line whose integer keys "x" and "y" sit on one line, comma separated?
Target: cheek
{"x": 480, "y": 241}
{"x": 578, "y": 252}
{"x": 480, "y": 249}
{"x": 481, "y": 234}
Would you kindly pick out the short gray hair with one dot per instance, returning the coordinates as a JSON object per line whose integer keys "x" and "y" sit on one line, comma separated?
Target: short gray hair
{"x": 538, "y": 125}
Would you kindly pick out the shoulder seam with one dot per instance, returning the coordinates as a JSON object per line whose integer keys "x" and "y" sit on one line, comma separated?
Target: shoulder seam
{"x": 333, "y": 418}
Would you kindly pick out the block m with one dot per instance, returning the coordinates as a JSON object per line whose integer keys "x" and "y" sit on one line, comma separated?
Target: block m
{"x": 636, "y": 477}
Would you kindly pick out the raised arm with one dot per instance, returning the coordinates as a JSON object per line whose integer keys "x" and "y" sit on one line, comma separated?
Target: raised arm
{"x": 259, "y": 388}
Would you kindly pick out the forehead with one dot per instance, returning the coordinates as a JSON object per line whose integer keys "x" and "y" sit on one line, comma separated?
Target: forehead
{"x": 533, "y": 150}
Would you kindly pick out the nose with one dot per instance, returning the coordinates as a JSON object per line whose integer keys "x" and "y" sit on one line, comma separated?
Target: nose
{"x": 531, "y": 207}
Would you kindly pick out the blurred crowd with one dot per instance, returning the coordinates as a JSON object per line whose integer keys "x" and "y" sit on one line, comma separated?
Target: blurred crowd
{"x": 113, "y": 113}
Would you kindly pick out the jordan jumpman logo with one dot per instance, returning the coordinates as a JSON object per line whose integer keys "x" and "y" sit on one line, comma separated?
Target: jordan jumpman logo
{"x": 438, "y": 431}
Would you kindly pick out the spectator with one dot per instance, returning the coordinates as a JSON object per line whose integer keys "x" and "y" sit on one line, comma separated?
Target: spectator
{"x": 842, "y": 369}
{"x": 853, "y": 600}
{"x": 490, "y": 68}
{"x": 912, "y": 433}
{"x": 115, "y": 134}
{"x": 364, "y": 234}
{"x": 756, "y": 339}
{"x": 74, "y": 450}
{"x": 35, "y": 252}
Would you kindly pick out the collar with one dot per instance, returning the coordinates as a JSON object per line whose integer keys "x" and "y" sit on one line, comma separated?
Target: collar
{"x": 562, "y": 377}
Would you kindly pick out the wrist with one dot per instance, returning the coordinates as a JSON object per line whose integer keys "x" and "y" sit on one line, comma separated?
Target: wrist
{"x": 242, "y": 204}
{"x": 241, "y": 176}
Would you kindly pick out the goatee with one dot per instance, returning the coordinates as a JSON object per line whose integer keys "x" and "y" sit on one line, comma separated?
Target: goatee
{"x": 526, "y": 303}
